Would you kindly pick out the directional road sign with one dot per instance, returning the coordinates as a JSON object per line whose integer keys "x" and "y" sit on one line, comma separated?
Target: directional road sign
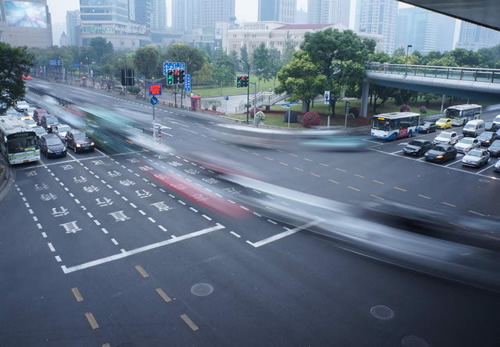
{"x": 173, "y": 66}
{"x": 187, "y": 83}
{"x": 154, "y": 100}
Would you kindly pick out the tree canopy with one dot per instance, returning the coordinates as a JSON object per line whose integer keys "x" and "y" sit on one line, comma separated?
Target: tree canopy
{"x": 14, "y": 63}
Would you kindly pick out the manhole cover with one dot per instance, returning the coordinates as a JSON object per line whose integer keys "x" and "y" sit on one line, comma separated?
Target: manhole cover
{"x": 413, "y": 341}
{"x": 202, "y": 289}
{"x": 382, "y": 312}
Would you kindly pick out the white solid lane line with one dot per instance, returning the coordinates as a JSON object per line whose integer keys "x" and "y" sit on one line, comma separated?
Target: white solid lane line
{"x": 284, "y": 234}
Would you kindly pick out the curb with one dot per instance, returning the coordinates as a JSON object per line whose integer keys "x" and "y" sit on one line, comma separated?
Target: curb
{"x": 5, "y": 179}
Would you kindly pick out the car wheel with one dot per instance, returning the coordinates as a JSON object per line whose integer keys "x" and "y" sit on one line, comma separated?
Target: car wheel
{"x": 74, "y": 149}
{"x": 410, "y": 134}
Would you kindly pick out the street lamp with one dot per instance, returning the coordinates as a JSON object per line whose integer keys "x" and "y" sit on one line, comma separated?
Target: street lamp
{"x": 248, "y": 90}
{"x": 406, "y": 62}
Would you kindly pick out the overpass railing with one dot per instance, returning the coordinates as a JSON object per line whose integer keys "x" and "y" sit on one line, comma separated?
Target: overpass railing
{"x": 446, "y": 72}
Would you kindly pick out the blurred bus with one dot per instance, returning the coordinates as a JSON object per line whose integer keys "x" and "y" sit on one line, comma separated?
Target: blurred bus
{"x": 461, "y": 114}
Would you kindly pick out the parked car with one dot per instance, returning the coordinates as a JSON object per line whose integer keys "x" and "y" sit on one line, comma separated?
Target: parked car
{"x": 496, "y": 121}
{"x": 417, "y": 147}
{"x": 427, "y": 127}
{"x": 476, "y": 158}
{"x": 29, "y": 122}
{"x": 21, "y": 106}
{"x": 446, "y": 137}
{"x": 444, "y": 123}
{"x": 37, "y": 115}
{"x": 487, "y": 137}
{"x": 497, "y": 166}
{"x": 441, "y": 153}
{"x": 473, "y": 128}
{"x": 490, "y": 126}
{"x": 78, "y": 141}
{"x": 48, "y": 122}
{"x": 52, "y": 146}
{"x": 494, "y": 148}
{"x": 466, "y": 144}
{"x": 30, "y": 111}
{"x": 61, "y": 130}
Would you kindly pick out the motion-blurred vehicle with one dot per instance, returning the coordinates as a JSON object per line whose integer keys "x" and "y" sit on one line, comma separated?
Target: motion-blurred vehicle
{"x": 494, "y": 148}
{"x": 487, "y": 137}
{"x": 21, "y": 106}
{"x": 78, "y": 141}
{"x": 417, "y": 147}
{"x": 466, "y": 144}
{"x": 48, "y": 122}
{"x": 37, "y": 115}
{"x": 61, "y": 130}
{"x": 28, "y": 77}
{"x": 446, "y": 138}
{"x": 52, "y": 146}
{"x": 441, "y": 153}
{"x": 476, "y": 158}
{"x": 427, "y": 127}
{"x": 444, "y": 123}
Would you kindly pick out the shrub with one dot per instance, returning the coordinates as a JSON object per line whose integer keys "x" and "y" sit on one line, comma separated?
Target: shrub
{"x": 134, "y": 90}
{"x": 355, "y": 111}
{"x": 311, "y": 119}
{"x": 423, "y": 109}
{"x": 405, "y": 108}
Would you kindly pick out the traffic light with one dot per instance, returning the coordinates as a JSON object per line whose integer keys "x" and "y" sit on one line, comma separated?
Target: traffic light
{"x": 244, "y": 81}
{"x": 182, "y": 74}
{"x": 127, "y": 77}
{"x": 176, "y": 76}
{"x": 170, "y": 77}
{"x": 238, "y": 82}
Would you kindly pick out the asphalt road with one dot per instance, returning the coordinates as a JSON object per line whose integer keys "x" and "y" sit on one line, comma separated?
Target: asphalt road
{"x": 136, "y": 248}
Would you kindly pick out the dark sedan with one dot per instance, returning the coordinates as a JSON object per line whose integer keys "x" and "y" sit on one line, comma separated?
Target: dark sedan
{"x": 78, "y": 141}
{"x": 427, "y": 127}
{"x": 490, "y": 126}
{"x": 487, "y": 137}
{"x": 441, "y": 154}
{"x": 418, "y": 147}
{"x": 494, "y": 148}
{"x": 52, "y": 146}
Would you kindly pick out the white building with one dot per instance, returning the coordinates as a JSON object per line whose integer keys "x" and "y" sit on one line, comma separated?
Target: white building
{"x": 329, "y": 12}
{"x": 378, "y": 17}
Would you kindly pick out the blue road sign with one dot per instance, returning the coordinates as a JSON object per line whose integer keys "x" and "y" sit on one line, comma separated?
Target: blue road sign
{"x": 76, "y": 65}
{"x": 187, "y": 83}
{"x": 154, "y": 100}
{"x": 285, "y": 105}
{"x": 54, "y": 62}
{"x": 173, "y": 66}
{"x": 226, "y": 97}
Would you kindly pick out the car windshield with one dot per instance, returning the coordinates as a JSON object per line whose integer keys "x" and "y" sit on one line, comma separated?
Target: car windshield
{"x": 51, "y": 120}
{"x": 475, "y": 153}
{"x": 63, "y": 129}
{"x": 416, "y": 143}
{"x": 442, "y": 120}
{"x": 452, "y": 113}
{"x": 53, "y": 141}
{"x": 486, "y": 135}
{"x": 445, "y": 135}
{"x": 467, "y": 141}
{"x": 80, "y": 136}
{"x": 440, "y": 149}
{"x": 495, "y": 144}
{"x": 39, "y": 130}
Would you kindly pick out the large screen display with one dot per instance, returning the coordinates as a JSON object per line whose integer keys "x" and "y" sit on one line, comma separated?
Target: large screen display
{"x": 26, "y": 14}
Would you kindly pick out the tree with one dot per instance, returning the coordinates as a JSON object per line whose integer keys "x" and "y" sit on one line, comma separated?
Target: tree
{"x": 380, "y": 93}
{"x": 236, "y": 60}
{"x": 14, "y": 63}
{"x": 288, "y": 50}
{"x": 260, "y": 61}
{"x": 191, "y": 56}
{"x": 146, "y": 60}
{"x": 224, "y": 69}
{"x": 275, "y": 64}
{"x": 100, "y": 47}
{"x": 302, "y": 79}
{"x": 399, "y": 52}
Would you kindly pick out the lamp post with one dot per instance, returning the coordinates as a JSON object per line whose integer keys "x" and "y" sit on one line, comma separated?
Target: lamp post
{"x": 248, "y": 90}
{"x": 406, "y": 61}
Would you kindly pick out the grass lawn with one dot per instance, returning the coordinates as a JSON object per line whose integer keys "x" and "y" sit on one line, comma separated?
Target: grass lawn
{"x": 215, "y": 91}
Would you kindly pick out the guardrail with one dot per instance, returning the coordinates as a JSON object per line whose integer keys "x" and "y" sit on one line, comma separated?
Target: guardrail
{"x": 445, "y": 72}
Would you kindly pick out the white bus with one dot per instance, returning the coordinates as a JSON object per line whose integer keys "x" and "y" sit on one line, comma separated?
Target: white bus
{"x": 391, "y": 126}
{"x": 18, "y": 142}
{"x": 461, "y": 114}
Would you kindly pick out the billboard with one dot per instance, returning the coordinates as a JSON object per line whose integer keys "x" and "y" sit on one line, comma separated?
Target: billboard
{"x": 26, "y": 14}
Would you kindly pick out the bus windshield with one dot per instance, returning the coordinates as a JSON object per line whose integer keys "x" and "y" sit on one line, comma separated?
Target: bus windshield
{"x": 452, "y": 113}
{"x": 381, "y": 124}
{"x": 18, "y": 144}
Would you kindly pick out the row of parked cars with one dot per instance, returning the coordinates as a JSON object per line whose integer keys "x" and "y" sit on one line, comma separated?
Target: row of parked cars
{"x": 54, "y": 138}
{"x": 478, "y": 144}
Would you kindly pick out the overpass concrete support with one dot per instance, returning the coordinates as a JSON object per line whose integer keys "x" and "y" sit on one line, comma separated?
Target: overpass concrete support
{"x": 364, "y": 99}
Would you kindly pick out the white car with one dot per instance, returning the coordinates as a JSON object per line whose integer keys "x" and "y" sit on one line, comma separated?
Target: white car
{"x": 22, "y": 106}
{"x": 61, "y": 130}
{"x": 476, "y": 158}
{"x": 496, "y": 120}
{"x": 30, "y": 111}
{"x": 466, "y": 144}
{"x": 497, "y": 166}
{"x": 446, "y": 138}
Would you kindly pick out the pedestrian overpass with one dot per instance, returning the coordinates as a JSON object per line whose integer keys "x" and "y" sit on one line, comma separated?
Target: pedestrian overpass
{"x": 473, "y": 83}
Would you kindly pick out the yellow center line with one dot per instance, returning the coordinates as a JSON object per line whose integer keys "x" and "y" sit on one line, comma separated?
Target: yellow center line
{"x": 312, "y": 173}
{"x": 77, "y": 294}
{"x": 283, "y": 163}
{"x": 298, "y": 168}
{"x": 400, "y": 189}
{"x": 92, "y": 321}
{"x": 448, "y": 204}
{"x": 189, "y": 322}
{"x": 323, "y": 164}
{"x": 356, "y": 189}
{"x": 425, "y": 196}
{"x": 377, "y": 197}
{"x": 269, "y": 158}
{"x": 163, "y": 295}
{"x": 334, "y": 181}
{"x": 141, "y": 271}
{"x": 341, "y": 170}
{"x": 360, "y": 176}
{"x": 378, "y": 182}
{"x": 307, "y": 159}
{"x": 477, "y": 213}
{"x": 295, "y": 155}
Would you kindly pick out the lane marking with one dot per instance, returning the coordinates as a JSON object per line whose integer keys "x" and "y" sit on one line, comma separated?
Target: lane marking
{"x": 90, "y": 215}
{"x": 58, "y": 259}
{"x": 142, "y": 271}
{"x": 323, "y": 164}
{"x": 333, "y": 181}
{"x": 298, "y": 169}
{"x": 284, "y": 164}
{"x": 189, "y": 322}
{"x": 133, "y": 205}
{"x": 243, "y": 207}
{"x": 115, "y": 242}
{"x": 355, "y": 189}
{"x": 307, "y": 159}
{"x": 139, "y": 250}
{"x": 284, "y": 234}
{"x": 162, "y": 228}
{"x": 377, "y": 197}
{"x": 44, "y": 235}
{"x": 193, "y": 209}
{"x": 360, "y": 176}
{"x": 76, "y": 293}
{"x": 163, "y": 295}
{"x": 448, "y": 204}
{"x": 97, "y": 222}
{"x": 151, "y": 220}
{"x": 235, "y": 234}
{"x": 272, "y": 222}
{"x": 378, "y": 182}
{"x": 92, "y": 321}
{"x": 206, "y": 217}
{"x": 315, "y": 174}
{"x": 181, "y": 202}
{"x": 477, "y": 213}
{"x": 104, "y": 230}
{"x": 142, "y": 212}
{"x": 425, "y": 196}
{"x": 486, "y": 168}
{"x": 400, "y": 189}
{"x": 269, "y": 158}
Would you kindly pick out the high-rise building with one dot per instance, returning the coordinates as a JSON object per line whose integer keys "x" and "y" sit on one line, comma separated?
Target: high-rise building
{"x": 186, "y": 15}
{"x": 63, "y": 40}
{"x": 278, "y": 10}
{"x": 379, "y": 17}
{"x": 301, "y": 17}
{"x": 158, "y": 15}
{"x": 73, "y": 27}
{"x": 425, "y": 30}
{"x": 114, "y": 21}
{"x": 143, "y": 12}
{"x": 329, "y": 12}
{"x": 474, "y": 37}
{"x": 213, "y": 11}
{"x": 25, "y": 23}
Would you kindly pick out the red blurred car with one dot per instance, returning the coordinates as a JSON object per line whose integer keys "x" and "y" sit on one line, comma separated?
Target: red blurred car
{"x": 37, "y": 115}
{"x": 27, "y": 77}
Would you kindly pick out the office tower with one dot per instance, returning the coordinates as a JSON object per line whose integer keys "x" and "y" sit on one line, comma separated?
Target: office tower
{"x": 216, "y": 11}
{"x": 73, "y": 27}
{"x": 186, "y": 15}
{"x": 143, "y": 12}
{"x": 425, "y": 30}
{"x": 379, "y": 17}
{"x": 278, "y": 10}
{"x": 63, "y": 40}
{"x": 25, "y": 23}
{"x": 158, "y": 15}
{"x": 329, "y": 12}
{"x": 301, "y": 17}
{"x": 474, "y": 37}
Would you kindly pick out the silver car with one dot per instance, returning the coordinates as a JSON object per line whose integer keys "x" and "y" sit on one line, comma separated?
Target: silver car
{"x": 466, "y": 144}
{"x": 476, "y": 158}
{"x": 446, "y": 138}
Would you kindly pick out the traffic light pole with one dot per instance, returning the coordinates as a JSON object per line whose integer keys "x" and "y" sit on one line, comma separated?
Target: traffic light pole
{"x": 248, "y": 91}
